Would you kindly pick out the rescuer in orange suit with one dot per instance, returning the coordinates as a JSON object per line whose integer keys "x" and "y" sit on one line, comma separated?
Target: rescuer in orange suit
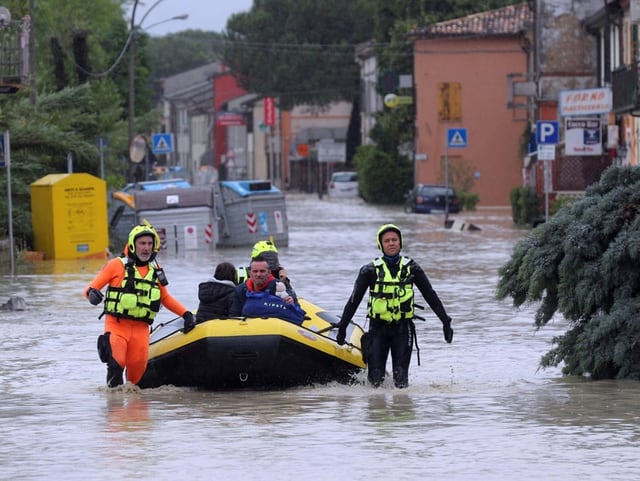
{"x": 136, "y": 287}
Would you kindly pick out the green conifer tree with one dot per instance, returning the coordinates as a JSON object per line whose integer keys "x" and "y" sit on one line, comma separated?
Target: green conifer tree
{"x": 585, "y": 265}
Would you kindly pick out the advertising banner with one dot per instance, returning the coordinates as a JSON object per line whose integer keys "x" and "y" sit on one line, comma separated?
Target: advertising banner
{"x": 583, "y": 136}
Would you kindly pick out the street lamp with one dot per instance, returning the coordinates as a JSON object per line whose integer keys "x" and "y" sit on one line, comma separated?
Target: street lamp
{"x": 132, "y": 58}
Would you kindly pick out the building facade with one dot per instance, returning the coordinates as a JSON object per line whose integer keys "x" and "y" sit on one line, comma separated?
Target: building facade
{"x": 463, "y": 71}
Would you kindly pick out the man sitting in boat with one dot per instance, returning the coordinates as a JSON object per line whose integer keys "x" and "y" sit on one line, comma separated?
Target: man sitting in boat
{"x": 216, "y": 295}
{"x": 269, "y": 251}
{"x": 256, "y": 297}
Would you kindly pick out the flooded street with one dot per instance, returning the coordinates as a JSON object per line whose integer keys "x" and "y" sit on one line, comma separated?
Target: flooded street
{"x": 478, "y": 409}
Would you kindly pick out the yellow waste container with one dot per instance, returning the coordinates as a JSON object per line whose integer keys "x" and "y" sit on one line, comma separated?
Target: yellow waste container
{"x": 69, "y": 216}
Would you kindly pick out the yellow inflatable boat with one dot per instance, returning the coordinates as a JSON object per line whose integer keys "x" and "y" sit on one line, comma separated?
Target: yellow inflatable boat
{"x": 257, "y": 353}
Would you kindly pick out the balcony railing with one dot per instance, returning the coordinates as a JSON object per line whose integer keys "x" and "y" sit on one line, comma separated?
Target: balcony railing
{"x": 14, "y": 55}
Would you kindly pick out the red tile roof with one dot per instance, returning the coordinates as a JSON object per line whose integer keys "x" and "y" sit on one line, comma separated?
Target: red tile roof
{"x": 510, "y": 20}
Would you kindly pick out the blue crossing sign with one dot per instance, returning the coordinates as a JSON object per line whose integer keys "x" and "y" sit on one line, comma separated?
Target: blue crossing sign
{"x": 547, "y": 132}
{"x": 457, "y": 138}
{"x": 162, "y": 143}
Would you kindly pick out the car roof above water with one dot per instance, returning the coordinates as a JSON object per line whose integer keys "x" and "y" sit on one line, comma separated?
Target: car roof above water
{"x": 346, "y": 176}
{"x": 433, "y": 186}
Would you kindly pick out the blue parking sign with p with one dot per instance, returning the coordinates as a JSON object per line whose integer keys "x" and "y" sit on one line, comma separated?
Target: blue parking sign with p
{"x": 547, "y": 132}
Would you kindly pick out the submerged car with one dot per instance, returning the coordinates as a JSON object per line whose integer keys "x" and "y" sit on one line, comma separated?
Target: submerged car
{"x": 343, "y": 184}
{"x": 424, "y": 199}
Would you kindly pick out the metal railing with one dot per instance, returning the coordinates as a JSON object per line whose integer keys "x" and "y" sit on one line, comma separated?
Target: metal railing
{"x": 14, "y": 54}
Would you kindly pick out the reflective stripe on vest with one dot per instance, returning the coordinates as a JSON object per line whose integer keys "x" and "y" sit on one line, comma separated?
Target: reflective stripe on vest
{"x": 243, "y": 274}
{"x": 137, "y": 298}
{"x": 391, "y": 298}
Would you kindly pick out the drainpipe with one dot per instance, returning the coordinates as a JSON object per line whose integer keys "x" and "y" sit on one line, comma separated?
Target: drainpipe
{"x": 537, "y": 42}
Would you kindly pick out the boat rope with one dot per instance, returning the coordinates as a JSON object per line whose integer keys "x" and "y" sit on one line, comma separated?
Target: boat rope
{"x": 412, "y": 327}
{"x": 162, "y": 324}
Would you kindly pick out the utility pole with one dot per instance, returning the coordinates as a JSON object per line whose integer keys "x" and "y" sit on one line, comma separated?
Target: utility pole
{"x": 132, "y": 73}
{"x": 33, "y": 95}
{"x": 133, "y": 33}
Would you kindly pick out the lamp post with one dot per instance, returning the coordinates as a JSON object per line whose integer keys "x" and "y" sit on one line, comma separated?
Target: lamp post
{"x": 133, "y": 27}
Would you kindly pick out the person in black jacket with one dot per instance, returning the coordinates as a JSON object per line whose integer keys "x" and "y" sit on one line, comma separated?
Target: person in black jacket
{"x": 390, "y": 310}
{"x": 216, "y": 296}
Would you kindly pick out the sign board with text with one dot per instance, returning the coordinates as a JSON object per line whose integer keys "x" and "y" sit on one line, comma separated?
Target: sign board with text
{"x": 269, "y": 111}
{"x": 583, "y": 136}
{"x": 585, "y": 102}
{"x": 330, "y": 151}
{"x": 546, "y": 152}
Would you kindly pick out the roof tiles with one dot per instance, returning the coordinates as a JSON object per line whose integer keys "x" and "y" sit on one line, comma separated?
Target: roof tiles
{"x": 510, "y": 20}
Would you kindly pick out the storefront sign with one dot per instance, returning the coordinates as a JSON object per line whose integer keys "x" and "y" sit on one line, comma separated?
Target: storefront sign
{"x": 583, "y": 137}
{"x": 585, "y": 102}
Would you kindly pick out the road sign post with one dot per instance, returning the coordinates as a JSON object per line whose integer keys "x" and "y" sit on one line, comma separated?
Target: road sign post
{"x": 5, "y": 147}
{"x": 456, "y": 138}
{"x": 547, "y": 136}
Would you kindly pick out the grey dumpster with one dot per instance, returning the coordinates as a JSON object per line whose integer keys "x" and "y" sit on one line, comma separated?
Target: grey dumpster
{"x": 251, "y": 210}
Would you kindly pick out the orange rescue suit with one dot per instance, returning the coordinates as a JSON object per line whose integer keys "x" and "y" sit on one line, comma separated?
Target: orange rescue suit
{"x": 130, "y": 338}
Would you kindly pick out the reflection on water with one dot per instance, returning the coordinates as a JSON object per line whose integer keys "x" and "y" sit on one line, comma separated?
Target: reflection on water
{"x": 478, "y": 409}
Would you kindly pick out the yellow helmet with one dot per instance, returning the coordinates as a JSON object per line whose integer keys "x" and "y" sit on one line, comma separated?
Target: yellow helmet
{"x": 139, "y": 231}
{"x": 263, "y": 246}
{"x": 387, "y": 228}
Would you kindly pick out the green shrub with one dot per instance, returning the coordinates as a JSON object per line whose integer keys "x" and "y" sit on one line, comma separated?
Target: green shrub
{"x": 525, "y": 205}
{"x": 468, "y": 200}
{"x": 382, "y": 179}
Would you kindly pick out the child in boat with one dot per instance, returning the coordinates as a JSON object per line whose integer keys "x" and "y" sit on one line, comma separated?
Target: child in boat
{"x": 216, "y": 295}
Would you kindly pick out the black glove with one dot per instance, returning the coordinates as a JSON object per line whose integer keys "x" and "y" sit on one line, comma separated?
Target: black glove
{"x": 448, "y": 332}
{"x": 95, "y": 296}
{"x": 342, "y": 333}
{"x": 189, "y": 321}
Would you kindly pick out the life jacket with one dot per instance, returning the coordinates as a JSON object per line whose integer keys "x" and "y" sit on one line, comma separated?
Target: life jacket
{"x": 391, "y": 298}
{"x": 137, "y": 298}
{"x": 242, "y": 274}
{"x": 266, "y": 304}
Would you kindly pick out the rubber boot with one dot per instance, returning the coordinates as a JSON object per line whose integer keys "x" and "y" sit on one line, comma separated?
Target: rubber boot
{"x": 375, "y": 376}
{"x": 114, "y": 374}
{"x": 401, "y": 378}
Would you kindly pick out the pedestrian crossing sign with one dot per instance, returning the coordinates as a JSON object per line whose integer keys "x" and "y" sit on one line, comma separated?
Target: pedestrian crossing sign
{"x": 456, "y": 138}
{"x": 162, "y": 143}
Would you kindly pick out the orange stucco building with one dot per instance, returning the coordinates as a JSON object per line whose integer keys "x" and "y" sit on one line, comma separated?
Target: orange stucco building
{"x": 463, "y": 71}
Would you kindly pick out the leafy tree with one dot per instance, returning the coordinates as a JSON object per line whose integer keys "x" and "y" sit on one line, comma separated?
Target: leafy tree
{"x": 102, "y": 26}
{"x": 301, "y": 51}
{"x": 380, "y": 180}
{"x": 82, "y": 82}
{"x": 41, "y": 137}
{"x": 583, "y": 264}
{"x": 179, "y": 52}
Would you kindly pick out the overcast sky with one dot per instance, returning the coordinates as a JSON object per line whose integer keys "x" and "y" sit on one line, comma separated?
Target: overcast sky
{"x": 208, "y": 15}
